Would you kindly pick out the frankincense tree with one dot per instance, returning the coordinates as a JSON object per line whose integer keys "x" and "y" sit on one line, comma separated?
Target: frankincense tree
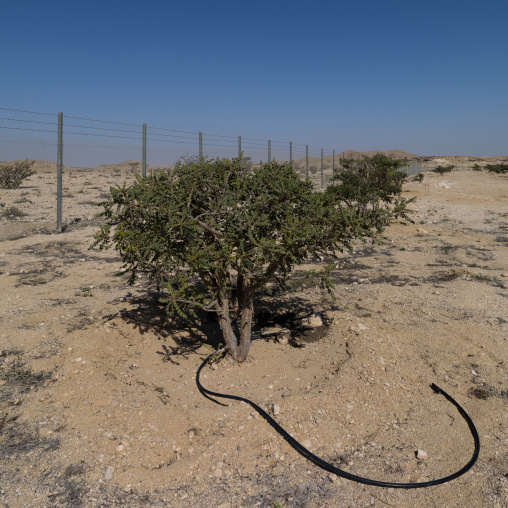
{"x": 213, "y": 233}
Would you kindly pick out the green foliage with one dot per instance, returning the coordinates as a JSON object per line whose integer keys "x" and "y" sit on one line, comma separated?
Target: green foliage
{"x": 443, "y": 169}
{"x": 497, "y": 168}
{"x": 213, "y": 233}
{"x": 364, "y": 183}
{"x": 418, "y": 178}
{"x": 11, "y": 175}
{"x": 476, "y": 167}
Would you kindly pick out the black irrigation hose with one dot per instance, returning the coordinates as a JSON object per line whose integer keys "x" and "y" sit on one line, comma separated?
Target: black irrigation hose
{"x": 339, "y": 472}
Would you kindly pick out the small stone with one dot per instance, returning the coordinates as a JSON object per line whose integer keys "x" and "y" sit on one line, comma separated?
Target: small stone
{"x": 276, "y": 409}
{"x": 474, "y": 372}
{"x": 120, "y": 448}
{"x": 421, "y": 455}
{"x": 128, "y": 488}
{"x": 108, "y": 474}
{"x": 218, "y": 473}
{"x": 286, "y": 394}
{"x": 358, "y": 327}
{"x": 504, "y": 275}
{"x": 313, "y": 321}
{"x": 192, "y": 434}
{"x": 307, "y": 443}
{"x": 283, "y": 336}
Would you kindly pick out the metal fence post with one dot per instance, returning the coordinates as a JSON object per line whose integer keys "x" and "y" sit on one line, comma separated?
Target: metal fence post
{"x": 333, "y": 165}
{"x": 307, "y": 160}
{"x": 269, "y": 151}
{"x": 59, "y": 164}
{"x": 201, "y": 145}
{"x": 322, "y": 169}
{"x": 239, "y": 146}
{"x": 290, "y": 152}
{"x": 144, "y": 151}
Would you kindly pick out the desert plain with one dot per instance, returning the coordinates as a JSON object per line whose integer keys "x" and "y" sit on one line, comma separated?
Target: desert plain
{"x": 98, "y": 400}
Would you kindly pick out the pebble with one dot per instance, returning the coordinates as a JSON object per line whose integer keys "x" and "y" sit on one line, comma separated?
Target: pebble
{"x": 276, "y": 409}
{"x": 421, "y": 455}
{"x": 283, "y": 337}
{"x": 313, "y": 321}
{"x": 358, "y": 328}
{"x": 307, "y": 443}
{"x": 108, "y": 474}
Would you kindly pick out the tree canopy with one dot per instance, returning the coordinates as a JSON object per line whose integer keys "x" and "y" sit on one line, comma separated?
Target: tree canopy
{"x": 212, "y": 233}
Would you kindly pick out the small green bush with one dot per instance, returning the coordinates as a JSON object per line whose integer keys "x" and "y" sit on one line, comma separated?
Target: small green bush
{"x": 418, "y": 178}
{"x": 366, "y": 182}
{"x": 11, "y": 175}
{"x": 443, "y": 169}
{"x": 476, "y": 167}
{"x": 497, "y": 168}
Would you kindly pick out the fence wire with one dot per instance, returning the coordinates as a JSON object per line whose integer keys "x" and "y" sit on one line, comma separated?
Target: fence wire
{"x": 99, "y": 154}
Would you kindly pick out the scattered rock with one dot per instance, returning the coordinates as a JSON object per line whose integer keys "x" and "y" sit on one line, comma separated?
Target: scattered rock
{"x": 313, "y": 321}
{"x": 108, "y": 474}
{"x": 421, "y": 455}
{"x": 276, "y": 409}
{"x": 357, "y": 328}
{"x": 283, "y": 337}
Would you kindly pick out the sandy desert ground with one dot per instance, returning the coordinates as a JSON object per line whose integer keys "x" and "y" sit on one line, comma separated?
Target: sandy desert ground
{"x": 98, "y": 401}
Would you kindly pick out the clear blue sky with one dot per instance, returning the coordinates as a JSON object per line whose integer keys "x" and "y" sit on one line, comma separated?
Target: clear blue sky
{"x": 429, "y": 77}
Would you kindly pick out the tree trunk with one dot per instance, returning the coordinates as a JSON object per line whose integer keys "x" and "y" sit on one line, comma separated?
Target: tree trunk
{"x": 227, "y": 329}
{"x": 247, "y": 309}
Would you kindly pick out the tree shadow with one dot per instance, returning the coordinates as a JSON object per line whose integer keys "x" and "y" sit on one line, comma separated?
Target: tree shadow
{"x": 288, "y": 310}
{"x": 181, "y": 337}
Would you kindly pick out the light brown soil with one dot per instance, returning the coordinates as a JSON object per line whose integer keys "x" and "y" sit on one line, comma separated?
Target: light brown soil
{"x": 98, "y": 401}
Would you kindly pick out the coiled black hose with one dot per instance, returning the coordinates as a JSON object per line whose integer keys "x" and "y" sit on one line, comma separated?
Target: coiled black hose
{"x": 339, "y": 472}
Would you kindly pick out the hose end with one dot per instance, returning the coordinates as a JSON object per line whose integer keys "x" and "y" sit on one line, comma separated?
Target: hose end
{"x": 436, "y": 388}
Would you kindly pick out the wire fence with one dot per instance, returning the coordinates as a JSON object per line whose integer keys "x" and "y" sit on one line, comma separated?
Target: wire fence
{"x": 78, "y": 159}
